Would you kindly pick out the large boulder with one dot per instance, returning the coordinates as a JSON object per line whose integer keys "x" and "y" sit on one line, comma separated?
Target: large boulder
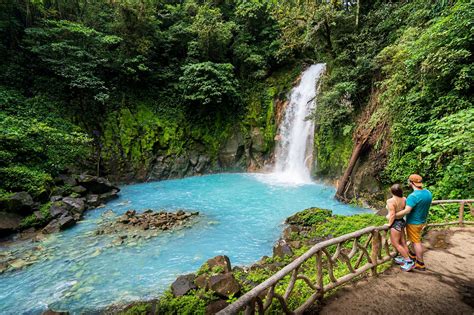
{"x": 219, "y": 262}
{"x": 93, "y": 200}
{"x": 111, "y": 195}
{"x": 52, "y": 227}
{"x": 9, "y": 223}
{"x": 202, "y": 164}
{"x": 79, "y": 189}
{"x": 224, "y": 285}
{"x": 58, "y": 208}
{"x": 232, "y": 150}
{"x": 20, "y": 202}
{"x": 65, "y": 179}
{"x": 183, "y": 284}
{"x": 62, "y": 223}
{"x": 96, "y": 185}
{"x": 282, "y": 249}
{"x": 202, "y": 281}
{"x": 76, "y": 206}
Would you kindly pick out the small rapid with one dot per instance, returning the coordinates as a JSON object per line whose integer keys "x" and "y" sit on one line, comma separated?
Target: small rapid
{"x": 242, "y": 215}
{"x": 293, "y": 155}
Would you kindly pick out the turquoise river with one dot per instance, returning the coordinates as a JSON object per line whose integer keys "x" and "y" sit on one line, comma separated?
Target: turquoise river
{"x": 241, "y": 215}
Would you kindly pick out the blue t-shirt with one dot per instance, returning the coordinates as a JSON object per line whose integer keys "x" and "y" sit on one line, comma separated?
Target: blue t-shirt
{"x": 420, "y": 201}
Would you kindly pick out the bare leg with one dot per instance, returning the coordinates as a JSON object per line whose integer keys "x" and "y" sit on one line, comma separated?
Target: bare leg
{"x": 395, "y": 237}
{"x": 419, "y": 251}
{"x": 403, "y": 241}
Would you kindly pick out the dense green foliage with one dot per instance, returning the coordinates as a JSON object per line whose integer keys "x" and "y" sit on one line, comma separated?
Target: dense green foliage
{"x": 140, "y": 78}
{"x": 35, "y": 142}
{"x": 119, "y": 83}
{"x": 428, "y": 74}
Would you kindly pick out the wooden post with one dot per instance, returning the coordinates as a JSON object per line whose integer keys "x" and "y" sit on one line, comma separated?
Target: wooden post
{"x": 461, "y": 214}
{"x": 250, "y": 309}
{"x": 319, "y": 276}
{"x": 375, "y": 251}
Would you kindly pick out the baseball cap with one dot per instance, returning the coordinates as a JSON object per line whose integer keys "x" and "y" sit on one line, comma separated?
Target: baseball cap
{"x": 416, "y": 180}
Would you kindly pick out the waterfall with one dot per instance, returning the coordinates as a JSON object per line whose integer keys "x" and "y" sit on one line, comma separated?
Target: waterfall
{"x": 293, "y": 155}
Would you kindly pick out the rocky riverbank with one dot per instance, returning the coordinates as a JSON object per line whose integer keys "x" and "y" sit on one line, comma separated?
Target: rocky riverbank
{"x": 59, "y": 209}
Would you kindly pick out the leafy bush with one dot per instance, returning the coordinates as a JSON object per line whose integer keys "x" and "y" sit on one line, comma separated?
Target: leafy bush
{"x": 209, "y": 83}
{"x": 309, "y": 217}
{"x": 185, "y": 305}
{"x": 138, "y": 309}
{"x": 427, "y": 91}
{"x": 19, "y": 178}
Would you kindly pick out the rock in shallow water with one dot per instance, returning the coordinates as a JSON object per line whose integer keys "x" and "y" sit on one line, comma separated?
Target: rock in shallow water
{"x": 144, "y": 225}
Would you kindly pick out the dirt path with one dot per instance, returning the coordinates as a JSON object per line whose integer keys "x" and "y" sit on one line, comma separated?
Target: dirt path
{"x": 447, "y": 287}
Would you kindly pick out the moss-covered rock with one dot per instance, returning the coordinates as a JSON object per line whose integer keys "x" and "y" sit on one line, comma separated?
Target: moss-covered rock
{"x": 309, "y": 217}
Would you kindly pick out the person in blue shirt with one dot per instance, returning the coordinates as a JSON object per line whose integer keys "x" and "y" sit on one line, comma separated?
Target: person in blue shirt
{"x": 417, "y": 206}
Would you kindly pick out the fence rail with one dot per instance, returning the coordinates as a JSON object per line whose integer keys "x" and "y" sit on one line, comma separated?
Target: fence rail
{"x": 360, "y": 252}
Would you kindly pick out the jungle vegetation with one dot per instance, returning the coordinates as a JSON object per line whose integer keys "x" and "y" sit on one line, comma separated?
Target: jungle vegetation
{"x": 399, "y": 81}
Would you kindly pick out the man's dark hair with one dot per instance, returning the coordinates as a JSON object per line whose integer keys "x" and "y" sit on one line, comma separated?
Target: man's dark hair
{"x": 397, "y": 190}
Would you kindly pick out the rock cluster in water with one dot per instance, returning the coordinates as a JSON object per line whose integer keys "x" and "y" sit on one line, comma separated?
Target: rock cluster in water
{"x": 133, "y": 225}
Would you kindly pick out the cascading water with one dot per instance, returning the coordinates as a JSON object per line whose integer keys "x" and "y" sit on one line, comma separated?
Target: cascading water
{"x": 293, "y": 155}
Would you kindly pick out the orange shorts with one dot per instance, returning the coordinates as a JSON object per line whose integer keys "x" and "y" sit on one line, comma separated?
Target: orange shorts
{"x": 414, "y": 232}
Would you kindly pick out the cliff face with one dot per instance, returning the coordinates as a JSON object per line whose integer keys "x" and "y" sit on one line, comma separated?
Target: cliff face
{"x": 140, "y": 144}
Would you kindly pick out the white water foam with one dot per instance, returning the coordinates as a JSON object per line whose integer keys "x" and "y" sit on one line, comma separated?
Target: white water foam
{"x": 294, "y": 153}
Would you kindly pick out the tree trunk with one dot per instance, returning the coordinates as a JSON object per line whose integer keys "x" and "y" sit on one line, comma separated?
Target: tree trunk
{"x": 357, "y": 12}
{"x": 341, "y": 187}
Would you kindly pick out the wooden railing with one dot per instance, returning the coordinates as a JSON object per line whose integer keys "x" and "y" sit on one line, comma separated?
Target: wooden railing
{"x": 357, "y": 253}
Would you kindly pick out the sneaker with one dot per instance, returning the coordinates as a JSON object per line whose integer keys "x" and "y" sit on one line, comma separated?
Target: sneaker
{"x": 412, "y": 255}
{"x": 408, "y": 265}
{"x": 399, "y": 260}
{"x": 420, "y": 266}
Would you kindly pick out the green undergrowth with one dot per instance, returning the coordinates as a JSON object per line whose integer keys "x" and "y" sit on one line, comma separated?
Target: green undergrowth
{"x": 448, "y": 213}
{"x": 323, "y": 225}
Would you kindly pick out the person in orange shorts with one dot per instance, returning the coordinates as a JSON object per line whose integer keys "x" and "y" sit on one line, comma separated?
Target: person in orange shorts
{"x": 417, "y": 206}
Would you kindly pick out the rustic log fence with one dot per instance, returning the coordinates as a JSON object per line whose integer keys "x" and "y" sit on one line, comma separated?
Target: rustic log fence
{"x": 360, "y": 252}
